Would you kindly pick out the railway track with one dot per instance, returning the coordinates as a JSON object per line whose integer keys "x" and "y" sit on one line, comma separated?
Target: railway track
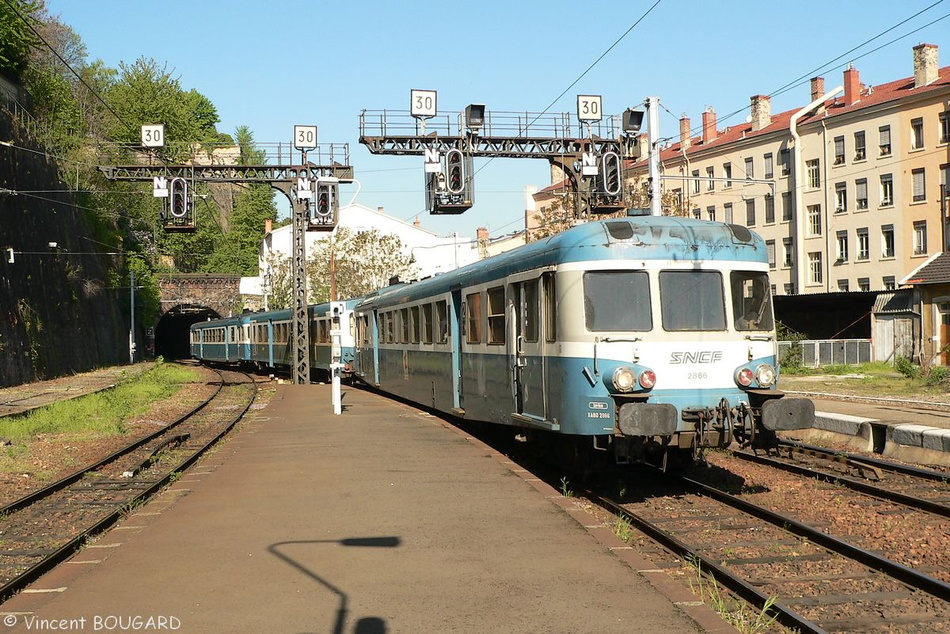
{"x": 808, "y": 579}
{"x": 44, "y": 528}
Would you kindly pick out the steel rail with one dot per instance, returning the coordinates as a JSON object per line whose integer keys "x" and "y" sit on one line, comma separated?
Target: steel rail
{"x": 918, "y": 472}
{"x": 898, "y": 571}
{"x": 866, "y": 488}
{"x": 749, "y": 593}
{"x": 59, "y": 485}
{"x": 49, "y": 562}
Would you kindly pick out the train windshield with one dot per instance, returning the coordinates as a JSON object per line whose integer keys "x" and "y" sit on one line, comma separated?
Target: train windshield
{"x": 692, "y": 300}
{"x": 617, "y": 301}
{"x": 751, "y": 301}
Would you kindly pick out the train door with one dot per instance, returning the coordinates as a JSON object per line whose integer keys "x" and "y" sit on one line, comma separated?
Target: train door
{"x": 455, "y": 332}
{"x": 944, "y": 319}
{"x": 526, "y": 349}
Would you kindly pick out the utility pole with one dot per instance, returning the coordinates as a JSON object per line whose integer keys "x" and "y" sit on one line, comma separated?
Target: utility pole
{"x": 653, "y": 137}
{"x": 131, "y": 316}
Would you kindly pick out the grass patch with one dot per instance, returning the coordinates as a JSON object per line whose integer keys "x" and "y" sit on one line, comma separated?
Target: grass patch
{"x": 102, "y": 414}
{"x": 732, "y": 610}
{"x": 866, "y": 379}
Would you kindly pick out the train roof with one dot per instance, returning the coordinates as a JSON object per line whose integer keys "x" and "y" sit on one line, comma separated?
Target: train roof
{"x": 631, "y": 238}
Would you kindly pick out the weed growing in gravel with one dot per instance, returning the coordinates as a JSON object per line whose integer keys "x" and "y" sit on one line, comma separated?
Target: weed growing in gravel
{"x": 102, "y": 414}
{"x": 566, "y": 490}
{"x": 623, "y": 529}
{"x": 732, "y": 610}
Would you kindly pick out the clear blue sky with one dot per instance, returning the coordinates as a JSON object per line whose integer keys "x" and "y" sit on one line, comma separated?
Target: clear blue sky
{"x": 270, "y": 65}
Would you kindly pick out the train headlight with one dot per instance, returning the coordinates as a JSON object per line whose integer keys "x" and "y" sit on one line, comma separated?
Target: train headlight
{"x": 647, "y": 379}
{"x": 765, "y": 375}
{"x": 624, "y": 379}
{"x": 744, "y": 377}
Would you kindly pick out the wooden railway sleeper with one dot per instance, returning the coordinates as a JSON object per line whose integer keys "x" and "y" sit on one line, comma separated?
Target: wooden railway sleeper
{"x": 145, "y": 464}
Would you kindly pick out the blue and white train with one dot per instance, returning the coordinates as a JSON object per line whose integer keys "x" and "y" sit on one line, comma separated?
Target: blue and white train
{"x": 621, "y": 337}
{"x": 263, "y": 340}
{"x": 624, "y": 335}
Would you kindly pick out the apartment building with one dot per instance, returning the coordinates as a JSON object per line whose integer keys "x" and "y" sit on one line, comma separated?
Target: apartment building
{"x": 846, "y": 190}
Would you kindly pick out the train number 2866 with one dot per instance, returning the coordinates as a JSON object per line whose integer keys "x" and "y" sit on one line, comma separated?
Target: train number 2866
{"x": 696, "y": 376}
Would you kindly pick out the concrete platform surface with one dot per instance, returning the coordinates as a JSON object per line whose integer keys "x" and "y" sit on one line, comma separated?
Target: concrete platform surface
{"x": 382, "y": 519}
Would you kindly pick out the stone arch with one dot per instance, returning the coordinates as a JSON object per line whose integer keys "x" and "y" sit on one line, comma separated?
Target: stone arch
{"x": 188, "y": 298}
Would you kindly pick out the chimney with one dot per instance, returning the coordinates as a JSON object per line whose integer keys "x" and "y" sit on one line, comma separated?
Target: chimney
{"x": 852, "y": 85}
{"x": 416, "y": 223}
{"x": 381, "y": 210}
{"x": 709, "y": 125}
{"x": 817, "y": 87}
{"x": 926, "y": 69}
{"x": 685, "y": 138}
{"x": 268, "y": 226}
{"x": 481, "y": 234}
{"x": 761, "y": 112}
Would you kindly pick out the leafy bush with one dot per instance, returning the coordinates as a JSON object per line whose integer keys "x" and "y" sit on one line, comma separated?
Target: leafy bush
{"x": 907, "y": 367}
{"x": 937, "y": 375}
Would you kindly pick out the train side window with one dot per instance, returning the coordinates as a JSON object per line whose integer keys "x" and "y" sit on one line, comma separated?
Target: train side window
{"x": 404, "y": 325}
{"x": 496, "y": 315}
{"x": 442, "y": 320}
{"x": 550, "y": 307}
{"x": 751, "y": 300}
{"x": 473, "y": 319}
{"x": 617, "y": 301}
{"x": 427, "y": 323}
{"x": 416, "y": 324}
{"x": 531, "y": 311}
{"x": 692, "y": 300}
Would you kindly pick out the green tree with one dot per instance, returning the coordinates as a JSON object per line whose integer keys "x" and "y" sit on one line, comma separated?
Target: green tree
{"x": 17, "y": 39}
{"x": 362, "y": 262}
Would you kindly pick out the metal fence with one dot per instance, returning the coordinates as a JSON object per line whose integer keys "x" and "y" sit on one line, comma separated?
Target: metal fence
{"x": 821, "y": 352}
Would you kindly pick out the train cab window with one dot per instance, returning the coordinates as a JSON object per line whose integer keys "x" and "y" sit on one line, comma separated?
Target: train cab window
{"x": 532, "y": 310}
{"x": 496, "y": 315}
{"x": 427, "y": 323}
{"x": 441, "y": 321}
{"x": 473, "y": 314}
{"x": 617, "y": 301}
{"x": 751, "y": 300}
{"x": 416, "y": 325}
{"x": 692, "y": 300}
{"x": 550, "y": 307}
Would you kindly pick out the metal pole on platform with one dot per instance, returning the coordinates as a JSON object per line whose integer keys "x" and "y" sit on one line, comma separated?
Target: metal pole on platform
{"x": 131, "y": 316}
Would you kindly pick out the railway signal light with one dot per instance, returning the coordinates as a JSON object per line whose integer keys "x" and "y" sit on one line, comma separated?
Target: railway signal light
{"x": 474, "y": 116}
{"x": 611, "y": 170}
{"x": 179, "y": 196}
{"x": 455, "y": 171}
{"x": 179, "y": 216}
{"x": 325, "y": 209}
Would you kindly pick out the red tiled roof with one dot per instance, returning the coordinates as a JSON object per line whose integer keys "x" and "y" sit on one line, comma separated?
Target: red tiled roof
{"x": 868, "y": 97}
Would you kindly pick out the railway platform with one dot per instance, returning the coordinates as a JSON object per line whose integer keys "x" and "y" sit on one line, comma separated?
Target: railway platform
{"x": 382, "y": 519}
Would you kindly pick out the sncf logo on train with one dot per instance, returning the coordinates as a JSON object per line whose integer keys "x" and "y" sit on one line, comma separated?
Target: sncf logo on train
{"x": 699, "y": 356}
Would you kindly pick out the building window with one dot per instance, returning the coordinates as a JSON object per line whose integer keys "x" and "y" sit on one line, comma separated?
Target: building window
{"x": 842, "y": 243}
{"x": 864, "y": 244}
{"x": 788, "y": 289}
{"x": 727, "y": 212}
{"x": 710, "y": 183}
{"x": 841, "y": 198}
{"x": 697, "y": 213}
{"x": 695, "y": 181}
{"x": 887, "y": 190}
{"x": 887, "y": 241}
{"x": 783, "y": 161}
{"x": 890, "y": 283}
{"x": 750, "y": 212}
{"x": 727, "y": 174}
{"x": 711, "y": 213}
{"x": 861, "y": 193}
{"x": 916, "y": 133}
{"x": 839, "y": 150}
{"x": 842, "y": 286}
{"x": 885, "y": 144}
{"x": 770, "y": 250}
{"x": 920, "y": 237}
{"x": 769, "y": 169}
{"x": 945, "y": 127}
{"x": 813, "y": 176}
{"x": 749, "y": 172}
{"x": 920, "y": 185}
{"x": 786, "y": 206}
{"x": 788, "y": 251}
{"x": 860, "y": 150}
{"x": 769, "y": 209}
{"x": 864, "y": 284}
{"x": 814, "y": 267}
{"x": 814, "y": 220}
